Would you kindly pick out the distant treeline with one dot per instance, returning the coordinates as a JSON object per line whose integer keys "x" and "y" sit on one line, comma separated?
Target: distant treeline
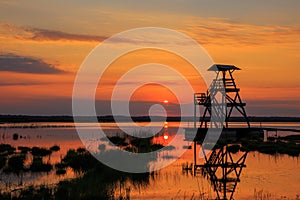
{"x": 29, "y": 118}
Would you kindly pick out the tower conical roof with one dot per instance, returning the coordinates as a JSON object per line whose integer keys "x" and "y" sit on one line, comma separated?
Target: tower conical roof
{"x": 222, "y": 67}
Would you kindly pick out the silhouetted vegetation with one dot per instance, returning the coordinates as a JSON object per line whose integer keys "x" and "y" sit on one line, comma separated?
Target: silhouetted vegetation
{"x": 60, "y": 165}
{"x": 37, "y": 151}
{"x": 61, "y": 168}
{"x": 98, "y": 180}
{"x": 54, "y": 148}
{"x": 15, "y": 164}
{"x": 2, "y": 161}
{"x": 37, "y": 165}
{"x": 24, "y": 150}
{"x": 79, "y": 160}
{"x": 295, "y": 138}
{"x": 272, "y": 147}
{"x": 280, "y": 145}
{"x": 61, "y": 171}
{"x": 119, "y": 141}
{"x": 6, "y": 149}
{"x": 135, "y": 144}
{"x": 31, "y": 193}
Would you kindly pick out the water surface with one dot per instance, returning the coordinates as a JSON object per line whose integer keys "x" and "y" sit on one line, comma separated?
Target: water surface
{"x": 272, "y": 177}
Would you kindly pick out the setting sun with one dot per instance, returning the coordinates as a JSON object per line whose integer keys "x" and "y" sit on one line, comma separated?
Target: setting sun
{"x": 166, "y": 136}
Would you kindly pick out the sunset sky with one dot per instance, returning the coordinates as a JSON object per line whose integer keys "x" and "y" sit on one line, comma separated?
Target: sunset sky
{"x": 43, "y": 43}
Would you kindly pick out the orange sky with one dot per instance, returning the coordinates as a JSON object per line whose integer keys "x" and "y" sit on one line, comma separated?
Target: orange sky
{"x": 44, "y": 44}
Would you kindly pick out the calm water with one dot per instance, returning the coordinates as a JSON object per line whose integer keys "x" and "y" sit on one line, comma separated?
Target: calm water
{"x": 265, "y": 176}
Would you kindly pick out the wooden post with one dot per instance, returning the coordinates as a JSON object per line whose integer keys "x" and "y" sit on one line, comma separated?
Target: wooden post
{"x": 195, "y": 117}
{"x": 195, "y": 157}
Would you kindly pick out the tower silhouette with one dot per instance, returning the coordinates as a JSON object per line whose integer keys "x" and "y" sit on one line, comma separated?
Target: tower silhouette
{"x": 224, "y": 81}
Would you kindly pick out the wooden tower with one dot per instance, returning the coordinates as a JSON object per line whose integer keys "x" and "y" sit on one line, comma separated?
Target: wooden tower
{"x": 220, "y": 167}
{"x": 224, "y": 80}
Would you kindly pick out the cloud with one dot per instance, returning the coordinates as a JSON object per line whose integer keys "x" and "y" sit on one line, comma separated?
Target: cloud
{"x": 220, "y": 31}
{"x": 20, "y": 64}
{"x": 158, "y": 37}
{"x": 223, "y": 31}
{"x": 37, "y": 34}
{"x": 21, "y": 83}
{"x": 44, "y": 34}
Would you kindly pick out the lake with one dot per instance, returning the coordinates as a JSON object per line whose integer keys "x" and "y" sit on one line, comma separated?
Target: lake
{"x": 264, "y": 177}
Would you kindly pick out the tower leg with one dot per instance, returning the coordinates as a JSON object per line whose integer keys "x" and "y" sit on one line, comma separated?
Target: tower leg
{"x": 203, "y": 117}
{"x": 195, "y": 157}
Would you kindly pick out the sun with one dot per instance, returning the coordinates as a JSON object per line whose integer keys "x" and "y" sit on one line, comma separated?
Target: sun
{"x": 166, "y": 136}
{"x": 166, "y": 101}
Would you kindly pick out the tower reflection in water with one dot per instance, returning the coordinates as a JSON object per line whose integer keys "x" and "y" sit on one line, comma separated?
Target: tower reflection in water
{"x": 223, "y": 169}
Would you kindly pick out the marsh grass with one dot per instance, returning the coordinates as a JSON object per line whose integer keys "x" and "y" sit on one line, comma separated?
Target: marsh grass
{"x": 134, "y": 144}
{"x": 24, "y": 150}
{"x": 41, "y": 152}
{"x": 2, "y": 161}
{"x": 94, "y": 179}
{"x": 6, "y": 149}
{"x": 54, "y": 148}
{"x": 272, "y": 147}
{"x": 37, "y": 165}
{"x": 15, "y": 164}
{"x": 97, "y": 181}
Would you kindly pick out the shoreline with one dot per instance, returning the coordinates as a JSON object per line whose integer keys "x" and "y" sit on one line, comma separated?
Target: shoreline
{"x": 35, "y": 118}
